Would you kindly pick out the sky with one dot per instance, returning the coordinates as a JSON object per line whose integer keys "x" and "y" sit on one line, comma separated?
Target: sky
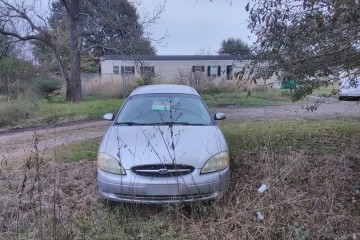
{"x": 197, "y": 26}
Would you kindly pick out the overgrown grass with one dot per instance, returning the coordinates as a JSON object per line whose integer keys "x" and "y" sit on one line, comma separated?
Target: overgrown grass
{"x": 16, "y": 113}
{"x": 327, "y": 90}
{"x": 37, "y": 112}
{"x": 78, "y": 151}
{"x": 313, "y": 136}
{"x": 245, "y": 98}
{"x": 88, "y": 109}
{"x": 312, "y": 168}
{"x": 120, "y": 222}
{"x": 29, "y": 113}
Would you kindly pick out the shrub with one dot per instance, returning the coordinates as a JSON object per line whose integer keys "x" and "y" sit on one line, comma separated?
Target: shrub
{"x": 47, "y": 87}
{"x": 146, "y": 79}
{"x": 193, "y": 79}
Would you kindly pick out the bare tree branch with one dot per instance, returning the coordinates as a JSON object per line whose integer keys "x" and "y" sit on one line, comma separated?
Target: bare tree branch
{"x": 22, "y": 14}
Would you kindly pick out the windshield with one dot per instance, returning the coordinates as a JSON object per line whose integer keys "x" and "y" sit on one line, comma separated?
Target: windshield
{"x": 163, "y": 109}
{"x": 350, "y": 83}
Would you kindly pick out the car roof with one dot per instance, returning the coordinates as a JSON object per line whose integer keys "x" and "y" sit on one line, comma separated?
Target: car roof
{"x": 164, "y": 88}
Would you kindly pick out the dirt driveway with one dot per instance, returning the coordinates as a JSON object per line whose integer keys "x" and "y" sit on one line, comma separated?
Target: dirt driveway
{"x": 19, "y": 144}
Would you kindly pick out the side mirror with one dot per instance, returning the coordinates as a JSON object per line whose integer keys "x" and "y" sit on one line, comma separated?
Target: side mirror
{"x": 109, "y": 117}
{"x": 219, "y": 116}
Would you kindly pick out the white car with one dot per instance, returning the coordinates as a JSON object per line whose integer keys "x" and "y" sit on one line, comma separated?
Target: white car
{"x": 349, "y": 89}
{"x": 163, "y": 147}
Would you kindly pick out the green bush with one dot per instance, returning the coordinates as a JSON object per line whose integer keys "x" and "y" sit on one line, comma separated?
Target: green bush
{"x": 47, "y": 87}
{"x": 146, "y": 79}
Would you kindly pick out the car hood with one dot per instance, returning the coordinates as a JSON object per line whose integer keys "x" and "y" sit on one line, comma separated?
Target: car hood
{"x": 142, "y": 145}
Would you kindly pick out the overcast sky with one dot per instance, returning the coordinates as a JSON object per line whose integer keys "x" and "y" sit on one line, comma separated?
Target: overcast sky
{"x": 198, "y": 26}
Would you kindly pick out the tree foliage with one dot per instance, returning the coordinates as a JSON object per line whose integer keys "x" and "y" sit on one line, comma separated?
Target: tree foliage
{"x": 234, "y": 46}
{"x": 6, "y": 47}
{"x": 118, "y": 33}
{"x": 312, "y": 42}
{"x": 14, "y": 73}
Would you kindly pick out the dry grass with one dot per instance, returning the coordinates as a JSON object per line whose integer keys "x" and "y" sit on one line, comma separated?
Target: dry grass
{"x": 37, "y": 203}
{"x": 308, "y": 198}
{"x": 107, "y": 86}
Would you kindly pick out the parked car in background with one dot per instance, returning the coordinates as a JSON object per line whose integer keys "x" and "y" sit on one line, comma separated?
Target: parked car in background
{"x": 349, "y": 88}
{"x": 163, "y": 147}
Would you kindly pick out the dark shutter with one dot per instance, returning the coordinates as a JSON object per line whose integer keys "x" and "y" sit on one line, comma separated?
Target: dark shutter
{"x": 202, "y": 68}
{"x": 115, "y": 69}
{"x": 122, "y": 70}
{"x": 193, "y": 68}
{"x": 208, "y": 71}
{"x": 219, "y": 71}
{"x": 133, "y": 70}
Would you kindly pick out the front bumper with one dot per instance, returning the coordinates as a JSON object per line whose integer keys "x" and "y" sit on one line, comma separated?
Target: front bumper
{"x": 192, "y": 187}
{"x": 349, "y": 93}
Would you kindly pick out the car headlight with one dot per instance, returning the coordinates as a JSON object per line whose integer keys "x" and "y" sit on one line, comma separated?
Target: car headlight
{"x": 109, "y": 164}
{"x": 216, "y": 163}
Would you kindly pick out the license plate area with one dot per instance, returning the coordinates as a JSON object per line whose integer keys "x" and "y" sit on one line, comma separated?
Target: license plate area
{"x": 163, "y": 189}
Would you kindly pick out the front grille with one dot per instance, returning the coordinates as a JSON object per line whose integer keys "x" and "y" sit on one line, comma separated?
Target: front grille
{"x": 163, "y": 170}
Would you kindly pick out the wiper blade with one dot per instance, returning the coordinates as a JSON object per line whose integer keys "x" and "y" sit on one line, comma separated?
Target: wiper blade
{"x": 159, "y": 124}
{"x": 130, "y": 123}
{"x": 184, "y": 123}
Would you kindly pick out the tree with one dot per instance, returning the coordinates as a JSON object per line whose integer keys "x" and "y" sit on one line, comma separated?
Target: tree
{"x": 14, "y": 72}
{"x": 306, "y": 40}
{"x": 234, "y": 46}
{"x": 118, "y": 33}
{"x": 13, "y": 75}
{"x": 96, "y": 43}
{"x": 45, "y": 55}
{"x": 22, "y": 20}
{"x": 5, "y": 46}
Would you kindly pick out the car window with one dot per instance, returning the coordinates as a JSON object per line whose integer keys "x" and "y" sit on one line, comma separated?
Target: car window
{"x": 163, "y": 109}
{"x": 346, "y": 84}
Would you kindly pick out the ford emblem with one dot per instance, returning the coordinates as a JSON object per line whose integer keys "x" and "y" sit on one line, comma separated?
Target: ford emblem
{"x": 163, "y": 171}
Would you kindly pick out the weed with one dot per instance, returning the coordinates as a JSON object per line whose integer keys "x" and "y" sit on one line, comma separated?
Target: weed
{"x": 237, "y": 98}
{"x": 16, "y": 113}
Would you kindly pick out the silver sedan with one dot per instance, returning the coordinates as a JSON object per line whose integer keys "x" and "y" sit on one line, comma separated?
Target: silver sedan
{"x": 163, "y": 147}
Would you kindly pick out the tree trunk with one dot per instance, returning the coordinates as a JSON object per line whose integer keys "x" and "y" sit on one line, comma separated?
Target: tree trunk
{"x": 7, "y": 88}
{"x": 73, "y": 87}
{"x": 63, "y": 71}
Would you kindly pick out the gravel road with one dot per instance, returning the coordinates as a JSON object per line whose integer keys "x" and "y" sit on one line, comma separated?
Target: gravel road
{"x": 19, "y": 144}
{"x": 328, "y": 110}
